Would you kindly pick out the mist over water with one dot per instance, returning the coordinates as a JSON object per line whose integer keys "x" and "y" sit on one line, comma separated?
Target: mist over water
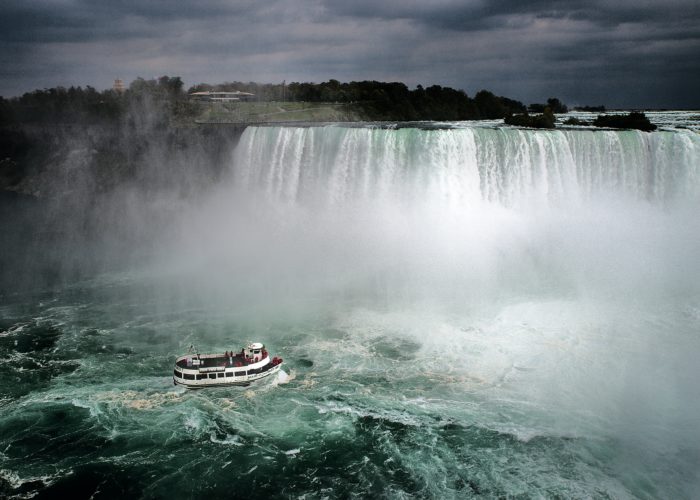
{"x": 452, "y": 215}
{"x": 464, "y": 311}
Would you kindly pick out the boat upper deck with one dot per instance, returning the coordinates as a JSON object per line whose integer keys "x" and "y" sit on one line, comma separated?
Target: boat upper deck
{"x": 214, "y": 361}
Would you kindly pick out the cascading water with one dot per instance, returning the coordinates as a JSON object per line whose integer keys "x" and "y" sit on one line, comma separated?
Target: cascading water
{"x": 462, "y": 167}
{"x": 464, "y": 312}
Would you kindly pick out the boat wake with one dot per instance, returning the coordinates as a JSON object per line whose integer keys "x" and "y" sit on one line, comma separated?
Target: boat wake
{"x": 284, "y": 378}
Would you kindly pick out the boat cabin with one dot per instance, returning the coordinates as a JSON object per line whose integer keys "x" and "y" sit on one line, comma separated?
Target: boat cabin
{"x": 255, "y": 351}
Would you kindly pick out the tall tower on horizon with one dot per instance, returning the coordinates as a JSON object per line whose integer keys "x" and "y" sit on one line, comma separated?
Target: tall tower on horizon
{"x": 118, "y": 85}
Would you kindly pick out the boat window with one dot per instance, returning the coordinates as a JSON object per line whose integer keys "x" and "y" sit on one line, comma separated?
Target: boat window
{"x": 189, "y": 376}
{"x": 212, "y": 375}
{"x": 229, "y": 374}
{"x": 221, "y": 375}
{"x": 177, "y": 374}
{"x": 201, "y": 376}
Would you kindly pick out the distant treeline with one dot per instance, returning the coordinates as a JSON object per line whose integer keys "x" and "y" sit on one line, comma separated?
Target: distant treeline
{"x": 371, "y": 99}
{"x": 163, "y": 102}
{"x": 163, "y": 98}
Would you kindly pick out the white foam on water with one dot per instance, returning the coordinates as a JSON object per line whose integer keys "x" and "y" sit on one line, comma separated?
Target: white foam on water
{"x": 229, "y": 440}
{"x": 283, "y": 377}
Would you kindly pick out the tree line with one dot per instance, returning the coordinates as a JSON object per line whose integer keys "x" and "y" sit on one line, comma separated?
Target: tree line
{"x": 166, "y": 102}
{"x": 87, "y": 105}
{"x": 166, "y": 95}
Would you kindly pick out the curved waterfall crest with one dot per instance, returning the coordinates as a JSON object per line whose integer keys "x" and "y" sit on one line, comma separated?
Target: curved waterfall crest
{"x": 509, "y": 167}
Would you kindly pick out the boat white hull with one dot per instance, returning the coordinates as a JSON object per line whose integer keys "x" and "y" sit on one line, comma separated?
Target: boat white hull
{"x": 224, "y": 378}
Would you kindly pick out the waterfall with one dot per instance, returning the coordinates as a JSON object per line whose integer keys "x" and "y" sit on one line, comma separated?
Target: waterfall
{"x": 450, "y": 215}
{"x": 462, "y": 167}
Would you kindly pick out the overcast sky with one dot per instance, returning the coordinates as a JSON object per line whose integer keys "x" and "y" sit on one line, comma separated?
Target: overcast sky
{"x": 621, "y": 53}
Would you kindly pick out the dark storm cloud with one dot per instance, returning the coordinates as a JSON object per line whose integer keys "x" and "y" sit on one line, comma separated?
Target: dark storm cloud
{"x": 476, "y": 14}
{"x": 85, "y": 20}
{"x": 620, "y": 53}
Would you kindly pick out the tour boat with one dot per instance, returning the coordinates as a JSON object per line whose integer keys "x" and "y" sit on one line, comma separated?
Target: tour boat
{"x": 251, "y": 363}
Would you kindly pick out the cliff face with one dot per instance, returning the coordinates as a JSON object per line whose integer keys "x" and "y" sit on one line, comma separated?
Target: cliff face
{"x": 76, "y": 199}
{"x": 59, "y": 160}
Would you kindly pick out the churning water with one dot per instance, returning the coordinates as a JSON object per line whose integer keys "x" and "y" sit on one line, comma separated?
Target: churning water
{"x": 462, "y": 312}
